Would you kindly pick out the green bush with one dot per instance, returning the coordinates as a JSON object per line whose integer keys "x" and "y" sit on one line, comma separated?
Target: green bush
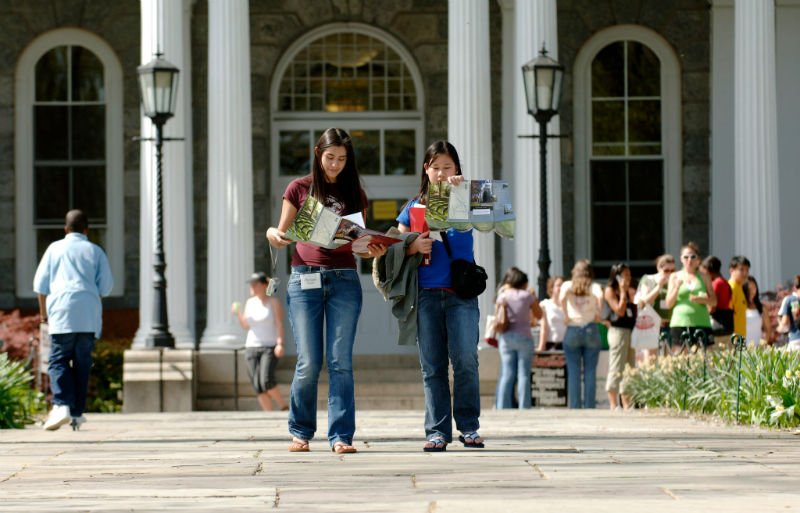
{"x": 105, "y": 382}
{"x": 769, "y": 387}
{"x": 19, "y": 403}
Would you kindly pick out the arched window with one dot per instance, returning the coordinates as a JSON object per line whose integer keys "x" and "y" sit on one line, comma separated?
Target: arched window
{"x": 627, "y": 148}
{"x": 69, "y": 151}
{"x": 357, "y": 78}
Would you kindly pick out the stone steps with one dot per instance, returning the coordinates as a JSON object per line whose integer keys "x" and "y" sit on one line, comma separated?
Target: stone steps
{"x": 382, "y": 383}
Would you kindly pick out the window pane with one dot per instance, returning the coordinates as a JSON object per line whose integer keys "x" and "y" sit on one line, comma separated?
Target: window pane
{"x": 87, "y": 76}
{"x": 608, "y": 181}
{"x": 366, "y": 144}
{"x": 295, "y": 153}
{"x": 51, "y": 76}
{"x": 644, "y": 149}
{"x": 647, "y": 231}
{"x": 608, "y": 121}
{"x": 644, "y": 71}
{"x": 89, "y": 192}
{"x": 607, "y": 72}
{"x": 47, "y": 236}
{"x": 89, "y": 132}
{"x": 644, "y": 121}
{"x": 608, "y": 232}
{"x": 50, "y": 132}
{"x": 51, "y": 194}
{"x": 645, "y": 180}
{"x": 399, "y": 148}
{"x": 608, "y": 149}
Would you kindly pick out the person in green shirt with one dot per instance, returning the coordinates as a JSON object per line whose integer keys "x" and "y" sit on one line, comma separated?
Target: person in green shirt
{"x": 689, "y": 294}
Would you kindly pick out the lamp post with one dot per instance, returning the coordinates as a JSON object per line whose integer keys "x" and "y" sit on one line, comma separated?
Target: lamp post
{"x": 158, "y": 83}
{"x": 542, "y": 78}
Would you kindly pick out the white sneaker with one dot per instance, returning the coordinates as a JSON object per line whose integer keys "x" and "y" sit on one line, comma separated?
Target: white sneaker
{"x": 77, "y": 422}
{"x": 59, "y": 416}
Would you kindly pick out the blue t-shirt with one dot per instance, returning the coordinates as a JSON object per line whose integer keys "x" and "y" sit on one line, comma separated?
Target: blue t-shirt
{"x": 791, "y": 307}
{"x": 437, "y": 274}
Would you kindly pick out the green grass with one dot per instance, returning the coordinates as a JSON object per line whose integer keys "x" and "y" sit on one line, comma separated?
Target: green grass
{"x": 769, "y": 390}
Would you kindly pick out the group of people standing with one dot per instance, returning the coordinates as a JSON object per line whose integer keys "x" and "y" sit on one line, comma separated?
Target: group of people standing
{"x": 694, "y": 304}
{"x": 324, "y": 301}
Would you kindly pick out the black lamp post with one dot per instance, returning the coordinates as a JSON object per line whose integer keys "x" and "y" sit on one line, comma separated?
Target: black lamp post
{"x": 542, "y": 78}
{"x": 158, "y": 82}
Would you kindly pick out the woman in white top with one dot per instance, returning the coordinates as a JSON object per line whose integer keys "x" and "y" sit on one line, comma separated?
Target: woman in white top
{"x": 553, "y": 325}
{"x": 758, "y": 325}
{"x": 263, "y": 318}
{"x": 580, "y": 299}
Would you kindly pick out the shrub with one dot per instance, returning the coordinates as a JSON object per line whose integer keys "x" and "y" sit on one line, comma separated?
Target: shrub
{"x": 105, "y": 382}
{"x": 18, "y": 402}
{"x": 769, "y": 386}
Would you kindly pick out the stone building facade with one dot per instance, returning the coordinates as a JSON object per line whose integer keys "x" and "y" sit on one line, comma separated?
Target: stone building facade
{"x": 690, "y": 44}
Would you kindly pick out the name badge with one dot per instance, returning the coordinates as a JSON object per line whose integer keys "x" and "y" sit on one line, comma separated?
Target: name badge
{"x": 662, "y": 305}
{"x": 311, "y": 281}
{"x": 629, "y": 312}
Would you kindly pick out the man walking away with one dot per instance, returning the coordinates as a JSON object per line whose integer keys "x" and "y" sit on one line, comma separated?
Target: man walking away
{"x": 72, "y": 276}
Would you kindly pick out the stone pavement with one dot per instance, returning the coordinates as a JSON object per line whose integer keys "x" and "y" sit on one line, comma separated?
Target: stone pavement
{"x": 535, "y": 460}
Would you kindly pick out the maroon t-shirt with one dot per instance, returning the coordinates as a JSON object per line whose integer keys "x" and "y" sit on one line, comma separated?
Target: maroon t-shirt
{"x": 309, "y": 254}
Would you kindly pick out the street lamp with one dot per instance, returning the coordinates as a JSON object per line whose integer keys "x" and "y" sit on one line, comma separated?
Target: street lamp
{"x": 542, "y": 78}
{"x": 158, "y": 83}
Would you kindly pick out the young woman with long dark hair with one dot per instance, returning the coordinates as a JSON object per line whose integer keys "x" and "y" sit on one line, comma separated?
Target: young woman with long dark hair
{"x": 324, "y": 296}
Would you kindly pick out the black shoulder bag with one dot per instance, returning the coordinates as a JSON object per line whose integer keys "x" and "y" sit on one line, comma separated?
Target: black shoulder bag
{"x": 469, "y": 279}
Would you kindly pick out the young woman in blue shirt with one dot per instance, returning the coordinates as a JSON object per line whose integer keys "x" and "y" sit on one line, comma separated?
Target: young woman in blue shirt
{"x": 447, "y": 330}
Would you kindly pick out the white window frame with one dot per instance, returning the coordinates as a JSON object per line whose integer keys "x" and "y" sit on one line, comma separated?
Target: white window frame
{"x": 25, "y": 85}
{"x": 671, "y": 121}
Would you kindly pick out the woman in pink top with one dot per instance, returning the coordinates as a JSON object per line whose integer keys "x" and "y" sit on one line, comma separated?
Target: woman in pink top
{"x": 581, "y": 299}
{"x": 516, "y": 343}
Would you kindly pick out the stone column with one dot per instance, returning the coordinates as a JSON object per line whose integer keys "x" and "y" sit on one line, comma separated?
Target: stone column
{"x": 165, "y": 27}
{"x": 230, "y": 169}
{"x": 535, "y": 24}
{"x": 756, "y": 207}
{"x": 469, "y": 109}
{"x": 508, "y": 129}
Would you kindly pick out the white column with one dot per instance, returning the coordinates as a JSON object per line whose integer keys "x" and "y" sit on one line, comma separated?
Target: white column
{"x": 756, "y": 201}
{"x": 469, "y": 109}
{"x": 230, "y": 169}
{"x": 535, "y": 24}
{"x": 508, "y": 131}
{"x": 165, "y": 26}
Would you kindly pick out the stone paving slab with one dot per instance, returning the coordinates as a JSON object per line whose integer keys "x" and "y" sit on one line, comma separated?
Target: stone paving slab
{"x": 535, "y": 460}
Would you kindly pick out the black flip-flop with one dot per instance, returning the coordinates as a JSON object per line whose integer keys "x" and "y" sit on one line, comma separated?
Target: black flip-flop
{"x": 473, "y": 444}
{"x": 439, "y": 445}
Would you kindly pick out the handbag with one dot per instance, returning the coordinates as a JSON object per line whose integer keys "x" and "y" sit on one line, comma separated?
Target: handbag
{"x": 468, "y": 278}
{"x": 648, "y": 326}
{"x": 501, "y": 322}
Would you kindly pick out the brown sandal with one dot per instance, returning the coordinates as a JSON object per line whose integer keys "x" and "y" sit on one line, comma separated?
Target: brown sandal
{"x": 299, "y": 445}
{"x": 343, "y": 448}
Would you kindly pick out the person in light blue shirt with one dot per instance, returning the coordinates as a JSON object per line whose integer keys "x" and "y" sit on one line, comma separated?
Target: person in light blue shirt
{"x": 72, "y": 276}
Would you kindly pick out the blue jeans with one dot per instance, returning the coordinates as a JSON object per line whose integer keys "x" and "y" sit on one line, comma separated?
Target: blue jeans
{"x": 448, "y": 330}
{"x": 516, "y": 351}
{"x": 582, "y": 345}
{"x": 333, "y": 308}
{"x": 69, "y": 366}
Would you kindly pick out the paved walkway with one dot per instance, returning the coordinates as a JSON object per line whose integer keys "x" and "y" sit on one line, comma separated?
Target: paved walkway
{"x": 536, "y": 460}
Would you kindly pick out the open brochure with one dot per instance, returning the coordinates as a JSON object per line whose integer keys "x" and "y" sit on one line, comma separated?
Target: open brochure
{"x": 481, "y": 204}
{"x": 323, "y": 227}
